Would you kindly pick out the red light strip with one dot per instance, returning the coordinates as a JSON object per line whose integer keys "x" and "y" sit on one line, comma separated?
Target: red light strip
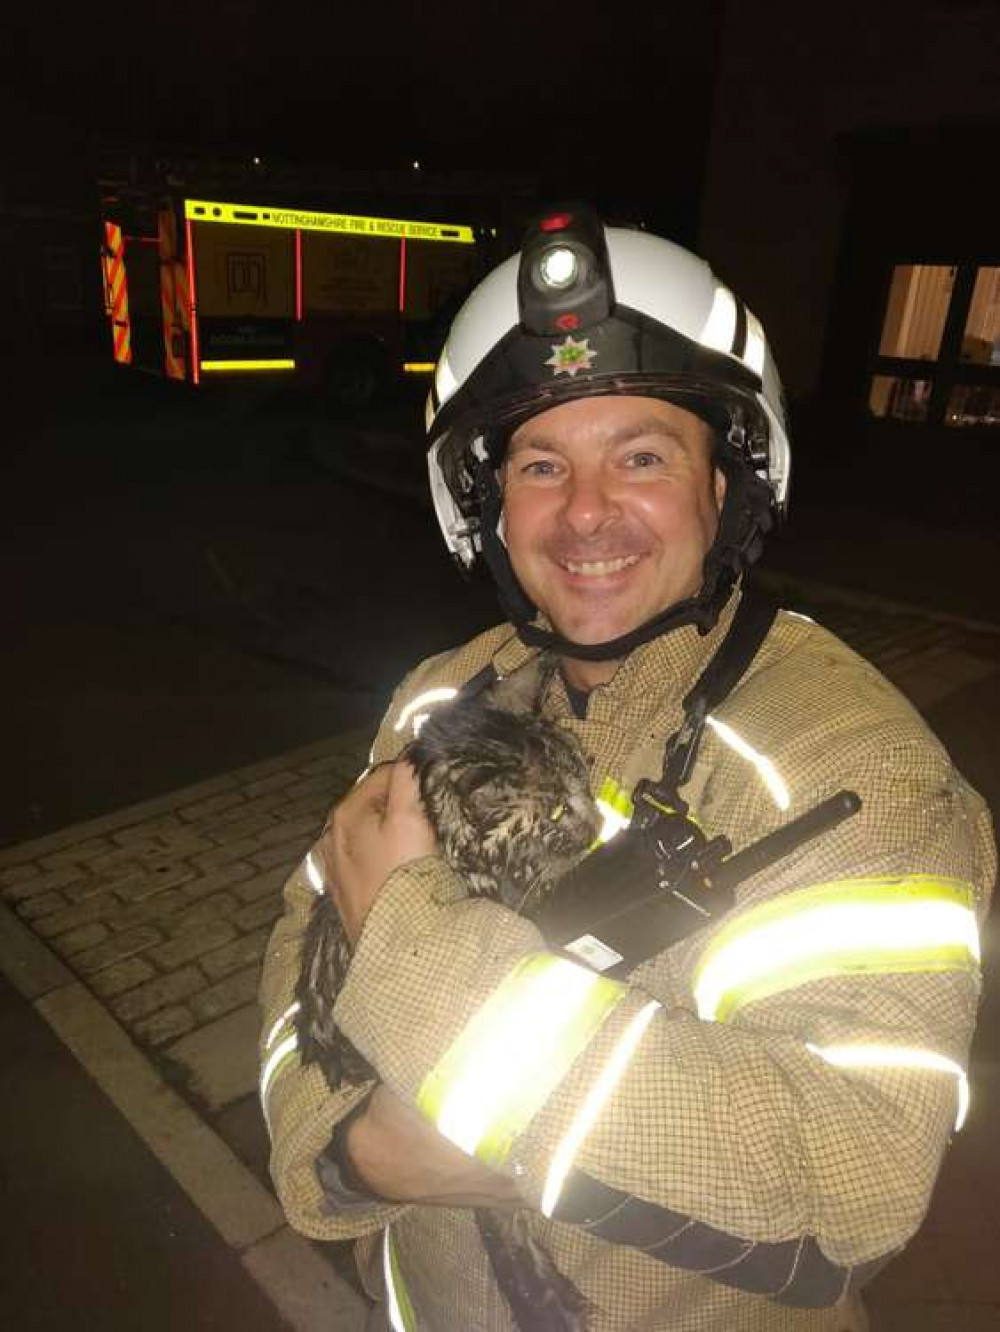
{"x": 402, "y": 275}
{"x": 195, "y": 353}
{"x": 144, "y": 240}
{"x": 298, "y": 275}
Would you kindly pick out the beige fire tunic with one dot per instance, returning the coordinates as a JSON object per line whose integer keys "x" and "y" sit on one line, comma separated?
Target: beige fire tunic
{"x": 766, "y": 1103}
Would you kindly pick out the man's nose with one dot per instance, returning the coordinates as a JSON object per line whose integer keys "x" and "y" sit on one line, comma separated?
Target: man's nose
{"x": 590, "y": 503}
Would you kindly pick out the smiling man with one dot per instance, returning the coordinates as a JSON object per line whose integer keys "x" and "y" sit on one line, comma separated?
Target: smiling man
{"x": 610, "y": 506}
{"x": 735, "y": 1121}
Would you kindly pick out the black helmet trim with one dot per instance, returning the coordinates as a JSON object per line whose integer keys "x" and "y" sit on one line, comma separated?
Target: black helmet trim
{"x": 518, "y": 378}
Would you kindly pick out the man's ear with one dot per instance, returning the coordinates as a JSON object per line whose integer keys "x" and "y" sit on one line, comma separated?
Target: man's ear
{"x": 719, "y": 487}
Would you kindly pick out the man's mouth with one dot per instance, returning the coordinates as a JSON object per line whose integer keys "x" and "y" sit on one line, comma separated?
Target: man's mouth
{"x": 599, "y": 568}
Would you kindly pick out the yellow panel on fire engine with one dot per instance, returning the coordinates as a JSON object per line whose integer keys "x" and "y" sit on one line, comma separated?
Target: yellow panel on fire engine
{"x": 350, "y": 274}
{"x": 435, "y": 273}
{"x": 243, "y": 271}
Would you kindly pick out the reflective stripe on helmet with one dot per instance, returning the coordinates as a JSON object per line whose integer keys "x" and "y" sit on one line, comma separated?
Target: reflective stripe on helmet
{"x": 512, "y": 1054}
{"x": 911, "y": 923}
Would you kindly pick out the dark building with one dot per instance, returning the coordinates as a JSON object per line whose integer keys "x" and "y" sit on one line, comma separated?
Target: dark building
{"x": 848, "y": 199}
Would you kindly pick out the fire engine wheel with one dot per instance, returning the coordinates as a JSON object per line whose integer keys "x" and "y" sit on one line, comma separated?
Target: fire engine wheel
{"x": 356, "y": 377}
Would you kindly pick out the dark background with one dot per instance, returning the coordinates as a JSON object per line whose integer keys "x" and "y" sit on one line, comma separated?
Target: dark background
{"x": 611, "y": 105}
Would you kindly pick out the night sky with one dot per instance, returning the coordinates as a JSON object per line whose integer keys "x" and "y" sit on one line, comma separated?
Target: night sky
{"x": 586, "y": 98}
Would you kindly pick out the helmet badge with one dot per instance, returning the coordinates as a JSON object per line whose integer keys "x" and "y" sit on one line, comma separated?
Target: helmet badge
{"x": 571, "y": 355}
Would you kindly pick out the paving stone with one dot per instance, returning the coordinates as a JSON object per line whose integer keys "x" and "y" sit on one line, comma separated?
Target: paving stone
{"x": 287, "y": 854}
{"x": 252, "y": 826}
{"x": 218, "y": 907}
{"x": 268, "y": 883}
{"x": 267, "y": 785}
{"x": 88, "y": 886}
{"x": 80, "y": 913}
{"x": 53, "y": 880}
{"x": 290, "y": 829}
{"x": 121, "y": 976}
{"x": 122, "y": 857}
{"x": 226, "y": 994}
{"x": 264, "y": 912}
{"x": 220, "y": 1058}
{"x": 204, "y": 810}
{"x": 318, "y": 787}
{"x": 147, "y": 883}
{"x": 259, "y": 805}
{"x": 79, "y": 852}
{"x": 16, "y": 875}
{"x": 159, "y": 993}
{"x": 116, "y": 948}
{"x": 192, "y": 944}
{"x": 45, "y": 904}
{"x": 229, "y": 875}
{"x": 159, "y": 910}
{"x": 87, "y": 936}
{"x": 247, "y": 948}
{"x": 225, "y": 852}
{"x": 165, "y": 1025}
{"x": 316, "y": 807}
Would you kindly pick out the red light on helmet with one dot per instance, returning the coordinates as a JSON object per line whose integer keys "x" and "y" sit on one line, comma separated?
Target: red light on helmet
{"x": 555, "y": 222}
{"x": 565, "y": 322}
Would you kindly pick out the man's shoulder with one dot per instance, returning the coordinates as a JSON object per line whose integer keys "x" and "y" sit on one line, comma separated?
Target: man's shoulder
{"x": 806, "y": 681}
{"x": 438, "y": 678}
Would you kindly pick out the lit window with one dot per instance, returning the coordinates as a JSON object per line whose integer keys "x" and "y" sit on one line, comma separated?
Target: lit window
{"x": 981, "y": 339}
{"x": 895, "y": 399}
{"x": 916, "y": 311}
{"x": 973, "y": 405}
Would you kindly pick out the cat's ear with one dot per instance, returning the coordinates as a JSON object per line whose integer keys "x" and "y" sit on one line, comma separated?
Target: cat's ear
{"x": 522, "y": 690}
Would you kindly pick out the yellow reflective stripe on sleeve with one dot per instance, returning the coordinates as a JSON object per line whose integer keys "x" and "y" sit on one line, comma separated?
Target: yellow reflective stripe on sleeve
{"x": 898, "y": 1056}
{"x": 513, "y": 1053}
{"x": 397, "y": 1298}
{"x": 593, "y": 1104}
{"x": 915, "y": 922}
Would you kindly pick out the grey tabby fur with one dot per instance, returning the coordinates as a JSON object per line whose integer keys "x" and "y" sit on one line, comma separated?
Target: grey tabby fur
{"x": 507, "y": 794}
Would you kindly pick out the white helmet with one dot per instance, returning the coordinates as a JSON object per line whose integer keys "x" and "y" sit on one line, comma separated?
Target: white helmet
{"x": 587, "y": 311}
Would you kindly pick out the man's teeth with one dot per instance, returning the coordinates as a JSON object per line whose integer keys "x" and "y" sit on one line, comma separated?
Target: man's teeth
{"x": 599, "y": 567}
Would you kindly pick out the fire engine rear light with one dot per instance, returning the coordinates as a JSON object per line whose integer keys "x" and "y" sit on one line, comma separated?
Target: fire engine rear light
{"x": 248, "y": 365}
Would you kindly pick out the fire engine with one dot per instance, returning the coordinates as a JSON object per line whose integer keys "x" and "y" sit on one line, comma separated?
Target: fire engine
{"x": 199, "y": 288}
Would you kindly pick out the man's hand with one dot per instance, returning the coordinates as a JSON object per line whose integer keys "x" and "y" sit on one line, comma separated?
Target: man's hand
{"x": 378, "y": 826}
{"x": 397, "y": 1154}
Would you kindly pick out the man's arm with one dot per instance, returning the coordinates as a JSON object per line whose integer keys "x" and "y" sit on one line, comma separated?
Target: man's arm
{"x": 765, "y": 1124}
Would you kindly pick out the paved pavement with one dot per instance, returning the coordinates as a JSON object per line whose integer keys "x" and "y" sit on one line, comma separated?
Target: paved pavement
{"x": 138, "y": 937}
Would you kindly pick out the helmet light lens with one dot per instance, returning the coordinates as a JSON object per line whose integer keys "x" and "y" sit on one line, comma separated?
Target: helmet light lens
{"x": 559, "y": 268}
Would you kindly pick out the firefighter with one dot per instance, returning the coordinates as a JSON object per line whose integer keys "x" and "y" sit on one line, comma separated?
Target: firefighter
{"x": 744, "y": 1128}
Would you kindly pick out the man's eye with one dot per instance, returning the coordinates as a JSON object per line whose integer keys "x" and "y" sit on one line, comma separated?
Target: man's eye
{"x": 643, "y": 459}
{"x": 540, "y": 467}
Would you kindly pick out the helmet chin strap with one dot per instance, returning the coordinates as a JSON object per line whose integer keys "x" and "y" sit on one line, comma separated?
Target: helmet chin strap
{"x": 745, "y": 519}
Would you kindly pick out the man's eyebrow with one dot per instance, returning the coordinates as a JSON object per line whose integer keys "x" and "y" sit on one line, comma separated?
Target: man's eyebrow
{"x": 635, "y": 430}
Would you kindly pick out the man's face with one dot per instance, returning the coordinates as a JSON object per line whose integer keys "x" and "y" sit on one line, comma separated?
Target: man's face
{"x": 609, "y": 507}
